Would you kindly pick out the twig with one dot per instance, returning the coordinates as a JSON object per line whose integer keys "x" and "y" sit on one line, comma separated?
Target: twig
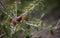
{"x": 58, "y": 23}
{"x": 2, "y": 34}
{"x": 15, "y": 10}
{"x": 43, "y": 14}
{"x": 3, "y": 7}
{"x": 5, "y": 13}
{"x": 31, "y": 24}
{"x": 23, "y": 29}
{"x": 27, "y": 11}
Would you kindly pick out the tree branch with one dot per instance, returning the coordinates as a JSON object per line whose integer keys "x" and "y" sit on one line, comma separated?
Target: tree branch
{"x": 2, "y": 34}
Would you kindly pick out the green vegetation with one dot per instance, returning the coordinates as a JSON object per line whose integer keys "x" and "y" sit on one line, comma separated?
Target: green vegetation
{"x": 10, "y": 7}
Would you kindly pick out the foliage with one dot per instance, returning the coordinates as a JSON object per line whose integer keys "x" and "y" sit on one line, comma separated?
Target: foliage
{"x": 22, "y": 6}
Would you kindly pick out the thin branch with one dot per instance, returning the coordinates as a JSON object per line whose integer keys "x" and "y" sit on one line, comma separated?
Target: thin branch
{"x": 15, "y": 10}
{"x": 23, "y": 29}
{"x": 5, "y": 13}
{"x": 4, "y": 6}
{"x": 43, "y": 14}
{"x": 31, "y": 24}
{"x": 2, "y": 34}
{"x": 4, "y": 9}
{"x": 34, "y": 6}
{"x": 27, "y": 11}
{"x": 58, "y": 23}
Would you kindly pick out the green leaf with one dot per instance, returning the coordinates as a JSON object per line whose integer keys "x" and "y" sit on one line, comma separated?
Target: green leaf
{"x": 7, "y": 30}
{"x": 28, "y": 26}
{"x": 27, "y": 36}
